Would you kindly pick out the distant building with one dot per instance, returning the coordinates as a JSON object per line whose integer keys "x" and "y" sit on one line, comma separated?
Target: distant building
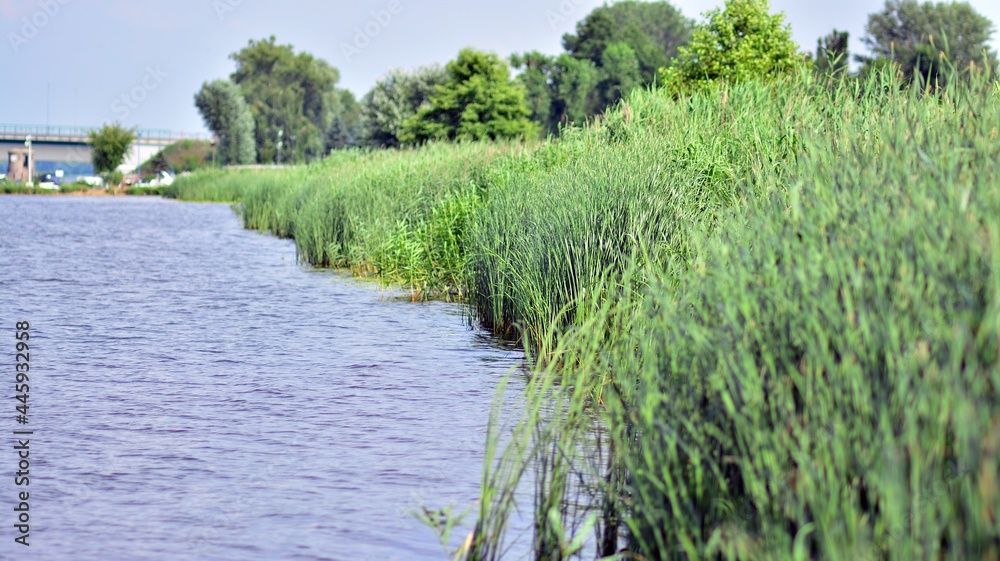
{"x": 17, "y": 165}
{"x": 72, "y": 171}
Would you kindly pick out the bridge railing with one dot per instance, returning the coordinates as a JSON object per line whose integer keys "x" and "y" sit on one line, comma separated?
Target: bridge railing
{"x": 43, "y": 132}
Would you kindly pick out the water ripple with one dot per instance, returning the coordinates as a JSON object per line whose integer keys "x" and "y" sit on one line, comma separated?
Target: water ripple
{"x": 197, "y": 395}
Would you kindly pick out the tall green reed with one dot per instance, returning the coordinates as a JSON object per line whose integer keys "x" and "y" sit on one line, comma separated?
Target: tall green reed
{"x": 764, "y": 317}
{"x": 814, "y": 374}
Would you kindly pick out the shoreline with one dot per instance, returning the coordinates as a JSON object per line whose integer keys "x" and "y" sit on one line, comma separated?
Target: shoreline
{"x": 87, "y": 193}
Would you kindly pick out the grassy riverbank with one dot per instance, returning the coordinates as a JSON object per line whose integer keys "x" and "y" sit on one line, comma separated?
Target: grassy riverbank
{"x": 812, "y": 372}
{"x": 7, "y": 188}
{"x": 777, "y": 303}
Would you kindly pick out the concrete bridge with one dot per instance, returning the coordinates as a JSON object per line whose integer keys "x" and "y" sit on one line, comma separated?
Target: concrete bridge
{"x": 66, "y": 148}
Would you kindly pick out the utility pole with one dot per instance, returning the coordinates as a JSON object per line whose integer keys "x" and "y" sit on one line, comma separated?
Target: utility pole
{"x": 31, "y": 161}
{"x": 48, "y": 107}
{"x": 138, "y": 157}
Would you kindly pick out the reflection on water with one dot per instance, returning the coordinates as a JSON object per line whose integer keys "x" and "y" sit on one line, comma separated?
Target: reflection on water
{"x": 197, "y": 395}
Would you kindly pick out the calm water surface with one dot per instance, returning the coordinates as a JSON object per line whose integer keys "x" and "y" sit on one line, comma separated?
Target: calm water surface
{"x": 197, "y": 395}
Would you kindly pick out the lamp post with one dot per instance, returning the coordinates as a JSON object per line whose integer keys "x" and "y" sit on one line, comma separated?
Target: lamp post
{"x": 281, "y": 133}
{"x": 138, "y": 157}
{"x": 31, "y": 161}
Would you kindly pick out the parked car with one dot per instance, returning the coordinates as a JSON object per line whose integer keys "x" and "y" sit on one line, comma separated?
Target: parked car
{"x": 47, "y": 181}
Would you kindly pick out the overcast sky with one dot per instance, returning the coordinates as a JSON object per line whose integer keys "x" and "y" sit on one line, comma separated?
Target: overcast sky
{"x": 141, "y": 62}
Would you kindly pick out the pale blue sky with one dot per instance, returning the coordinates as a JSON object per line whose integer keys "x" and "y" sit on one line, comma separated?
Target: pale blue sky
{"x": 157, "y": 53}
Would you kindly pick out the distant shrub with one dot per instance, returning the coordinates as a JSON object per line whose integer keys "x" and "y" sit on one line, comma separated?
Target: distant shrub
{"x": 114, "y": 178}
{"x": 75, "y": 187}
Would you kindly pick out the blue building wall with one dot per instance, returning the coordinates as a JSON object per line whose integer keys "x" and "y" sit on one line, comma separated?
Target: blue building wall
{"x": 71, "y": 170}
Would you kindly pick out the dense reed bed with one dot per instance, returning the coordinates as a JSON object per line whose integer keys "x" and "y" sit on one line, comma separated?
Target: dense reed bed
{"x": 810, "y": 373}
{"x": 641, "y": 181}
{"x": 765, "y": 316}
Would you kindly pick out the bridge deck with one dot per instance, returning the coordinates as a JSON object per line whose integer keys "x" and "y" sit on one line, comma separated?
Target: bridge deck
{"x": 78, "y": 135}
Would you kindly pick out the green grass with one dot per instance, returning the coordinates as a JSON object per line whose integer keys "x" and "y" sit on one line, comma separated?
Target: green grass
{"x": 558, "y": 219}
{"x": 765, "y": 317}
{"x": 7, "y": 188}
{"x": 813, "y": 371}
{"x": 143, "y": 191}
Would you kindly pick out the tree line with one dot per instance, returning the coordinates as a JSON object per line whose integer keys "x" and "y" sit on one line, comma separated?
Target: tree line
{"x": 280, "y": 105}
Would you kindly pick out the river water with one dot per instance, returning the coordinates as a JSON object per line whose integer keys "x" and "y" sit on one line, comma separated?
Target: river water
{"x": 196, "y": 394}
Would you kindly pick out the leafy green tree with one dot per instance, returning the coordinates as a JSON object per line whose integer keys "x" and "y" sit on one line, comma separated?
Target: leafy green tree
{"x": 536, "y": 75}
{"x": 558, "y": 89}
{"x": 226, "y": 114}
{"x": 743, "y": 41}
{"x": 395, "y": 98}
{"x": 343, "y": 120}
{"x": 616, "y": 48}
{"x": 832, "y": 53}
{"x": 621, "y": 68}
{"x": 652, "y": 31}
{"x": 478, "y": 101}
{"x": 110, "y": 144}
{"x": 573, "y": 82}
{"x": 920, "y": 36}
{"x": 291, "y": 98}
{"x": 593, "y": 34}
